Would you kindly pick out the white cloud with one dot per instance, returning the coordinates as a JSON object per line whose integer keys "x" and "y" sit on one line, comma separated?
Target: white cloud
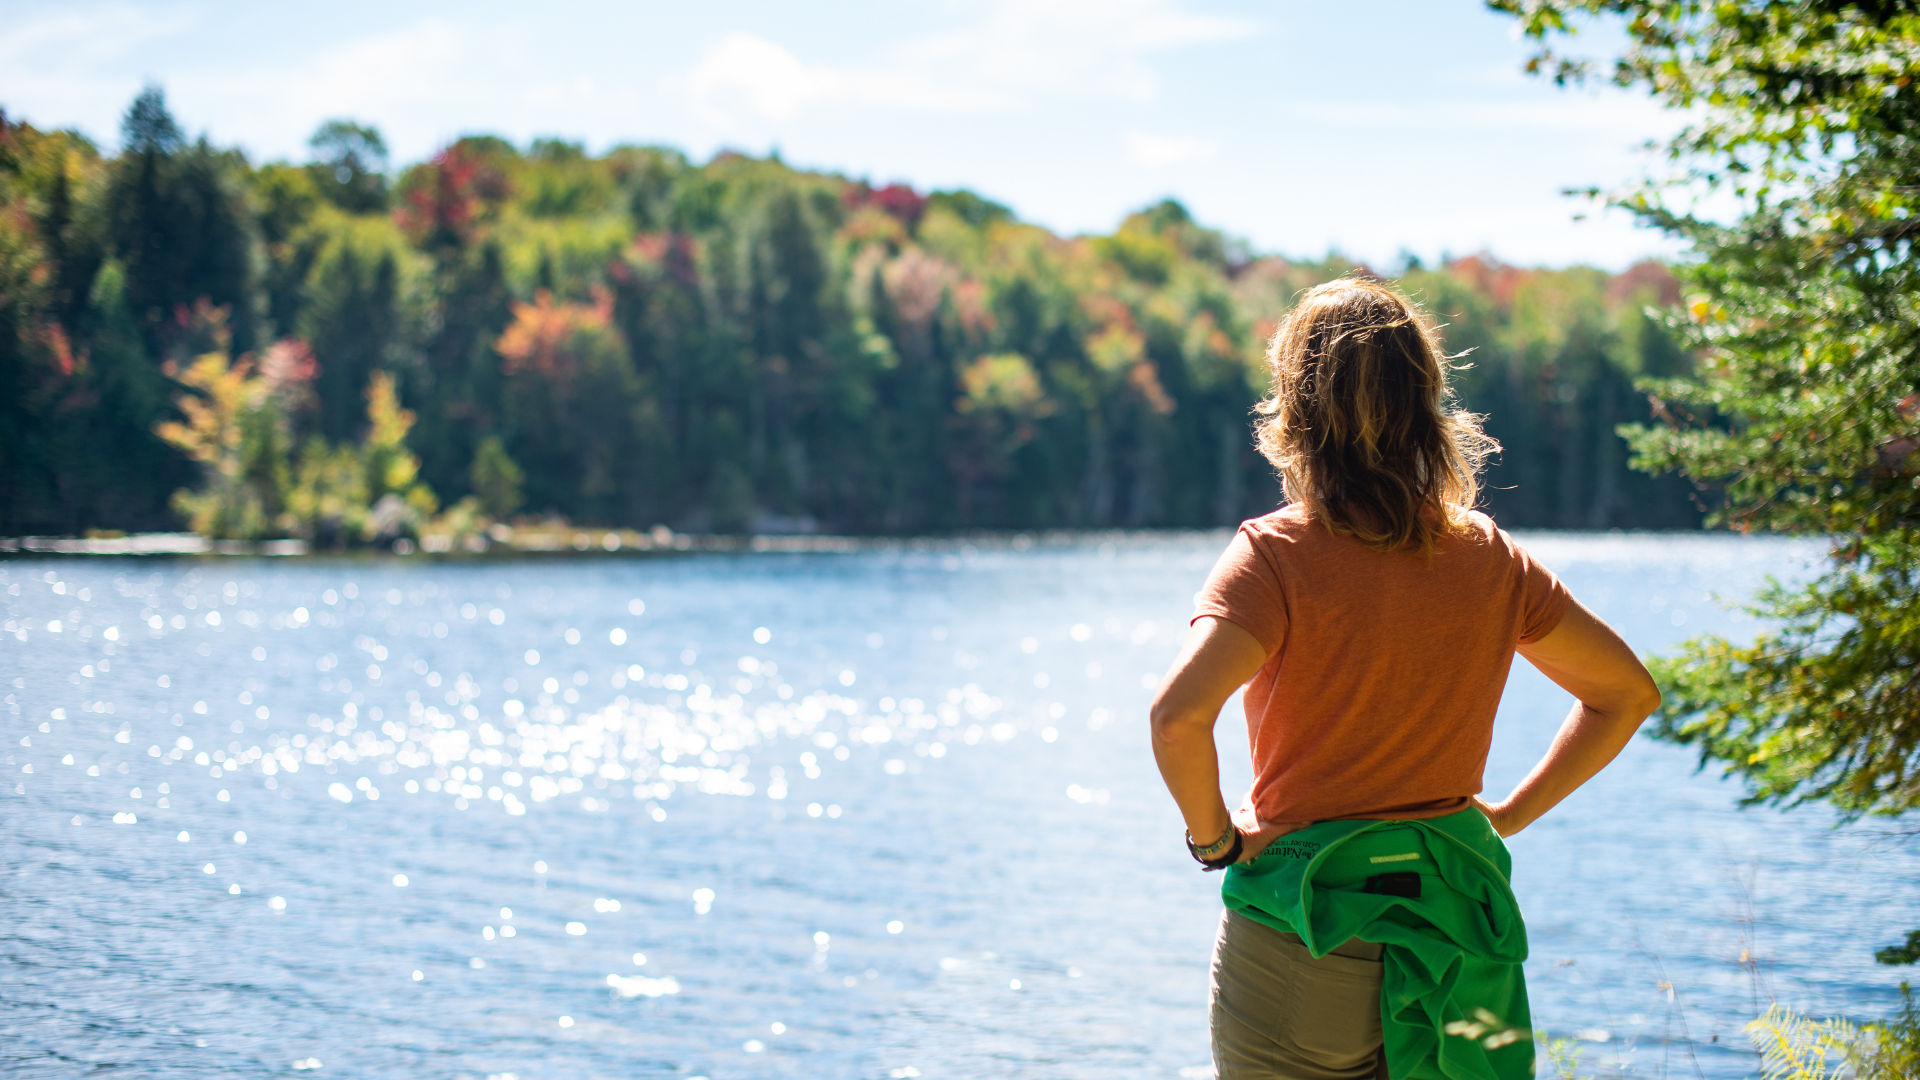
{"x": 1017, "y": 52}
{"x": 407, "y": 81}
{"x": 427, "y": 62}
{"x": 1160, "y": 150}
{"x": 1071, "y": 45}
{"x": 427, "y": 79}
{"x": 748, "y": 77}
{"x": 1073, "y": 111}
{"x": 422, "y": 84}
{"x": 79, "y": 37}
{"x": 751, "y": 73}
{"x": 85, "y": 58}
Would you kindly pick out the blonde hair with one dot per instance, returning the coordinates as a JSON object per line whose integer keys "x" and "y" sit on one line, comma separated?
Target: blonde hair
{"x": 1360, "y": 425}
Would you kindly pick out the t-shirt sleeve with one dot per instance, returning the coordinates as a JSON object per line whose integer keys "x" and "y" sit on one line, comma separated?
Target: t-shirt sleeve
{"x": 1244, "y": 589}
{"x": 1543, "y": 599}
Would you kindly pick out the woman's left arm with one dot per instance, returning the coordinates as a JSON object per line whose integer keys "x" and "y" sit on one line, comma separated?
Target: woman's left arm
{"x": 1217, "y": 659}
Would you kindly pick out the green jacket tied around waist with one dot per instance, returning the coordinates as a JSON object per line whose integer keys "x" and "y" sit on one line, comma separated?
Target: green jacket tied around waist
{"x": 1453, "y": 1002}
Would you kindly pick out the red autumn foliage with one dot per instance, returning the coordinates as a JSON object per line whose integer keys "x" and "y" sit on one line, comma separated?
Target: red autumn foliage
{"x": 674, "y": 255}
{"x": 970, "y": 302}
{"x": 445, "y": 206}
{"x": 1647, "y": 276}
{"x": 1490, "y": 277}
{"x": 898, "y": 201}
{"x": 62, "y": 350}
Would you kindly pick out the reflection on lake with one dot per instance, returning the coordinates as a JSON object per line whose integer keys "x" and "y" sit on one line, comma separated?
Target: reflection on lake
{"x": 880, "y": 814}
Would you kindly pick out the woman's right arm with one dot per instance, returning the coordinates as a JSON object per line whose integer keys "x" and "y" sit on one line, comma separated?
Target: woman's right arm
{"x": 1613, "y": 695}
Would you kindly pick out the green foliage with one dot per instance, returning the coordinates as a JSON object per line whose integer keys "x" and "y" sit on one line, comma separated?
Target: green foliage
{"x": 1552, "y": 362}
{"x": 240, "y": 420}
{"x": 573, "y": 405}
{"x": 1000, "y": 398}
{"x": 1821, "y": 706}
{"x": 178, "y": 220}
{"x": 729, "y": 345}
{"x": 465, "y": 526}
{"x": 1803, "y": 412}
{"x": 148, "y": 128}
{"x": 360, "y": 293}
{"x": 1905, "y": 953}
{"x": 496, "y": 479}
{"x": 328, "y": 503}
{"x": 364, "y": 492}
{"x": 1563, "y": 1055}
{"x": 1891, "y": 1048}
{"x": 350, "y": 164}
{"x": 1813, "y": 365}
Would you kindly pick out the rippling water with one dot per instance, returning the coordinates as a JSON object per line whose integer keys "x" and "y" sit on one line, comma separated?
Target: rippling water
{"x": 883, "y": 814}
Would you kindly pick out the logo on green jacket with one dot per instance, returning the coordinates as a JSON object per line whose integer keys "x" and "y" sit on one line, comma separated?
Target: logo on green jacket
{"x": 1292, "y": 849}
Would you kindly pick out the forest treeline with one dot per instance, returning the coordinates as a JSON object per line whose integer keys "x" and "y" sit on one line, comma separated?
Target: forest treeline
{"x": 341, "y": 350}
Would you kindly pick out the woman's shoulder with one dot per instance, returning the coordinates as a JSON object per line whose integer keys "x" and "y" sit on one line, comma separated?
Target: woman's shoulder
{"x": 1476, "y": 533}
{"x": 1284, "y": 531}
{"x": 1481, "y": 534}
{"x": 1481, "y": 529}
{"x": 1295, "y": 528}
{"x": 1290, "y": 522}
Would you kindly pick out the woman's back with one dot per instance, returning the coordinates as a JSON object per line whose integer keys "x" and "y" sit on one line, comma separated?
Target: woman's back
{"x": 1373, "y": 623}
{"x": 1384, "y": 670}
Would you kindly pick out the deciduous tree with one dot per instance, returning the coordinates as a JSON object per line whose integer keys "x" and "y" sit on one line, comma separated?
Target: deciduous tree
{"x": 1805, "y": 413}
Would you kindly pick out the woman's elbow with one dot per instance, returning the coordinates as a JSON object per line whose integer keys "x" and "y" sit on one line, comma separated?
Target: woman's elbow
{"x": 1171, "y": 722}
{"x": 1639, "y": 700}
{"x": 1626, "y": 703}
{"x": 1650, "y": 698}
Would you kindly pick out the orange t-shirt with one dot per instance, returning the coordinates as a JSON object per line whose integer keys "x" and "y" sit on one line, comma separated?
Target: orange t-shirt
{"x": 1383, "y": 671}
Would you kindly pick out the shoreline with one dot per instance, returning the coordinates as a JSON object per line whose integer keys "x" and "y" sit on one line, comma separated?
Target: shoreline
{"x": 570, "y": 542}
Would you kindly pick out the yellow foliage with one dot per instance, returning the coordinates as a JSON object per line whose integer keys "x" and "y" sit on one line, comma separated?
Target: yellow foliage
{"x": 1001, "y": 381}
{"x": 1117, "y": 347}
{"x": 1793, "y": 1047}
{"x": 390, "y": 466}
{"x": 211, "y": 434}
{"x": 234, "y": 433}
{"x": 237, "y": 428}
{"x": 329, "y": 488}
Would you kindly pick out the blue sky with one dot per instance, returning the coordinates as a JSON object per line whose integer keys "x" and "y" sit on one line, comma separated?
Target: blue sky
{"x": 1369, "y": 126}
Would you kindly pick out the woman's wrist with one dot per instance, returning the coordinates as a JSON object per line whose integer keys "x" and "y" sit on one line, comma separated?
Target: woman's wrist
{"x": 1213, "y": 849}
{"x": 1217, "y": 846}
{"x": 1222, "y": 853}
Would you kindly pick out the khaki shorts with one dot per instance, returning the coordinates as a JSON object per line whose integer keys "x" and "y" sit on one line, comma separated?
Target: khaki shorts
{"x": 1276, "y": 1012}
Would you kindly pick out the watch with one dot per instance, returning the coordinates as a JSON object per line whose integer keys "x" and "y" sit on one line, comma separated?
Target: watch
{"x": 1221, "y": 853}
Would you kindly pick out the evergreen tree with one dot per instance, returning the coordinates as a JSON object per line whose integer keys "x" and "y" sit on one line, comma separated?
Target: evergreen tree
{"x": 178, "y": 222}
{"x": 728, "y": 345}
{"x": 350, "y": 165}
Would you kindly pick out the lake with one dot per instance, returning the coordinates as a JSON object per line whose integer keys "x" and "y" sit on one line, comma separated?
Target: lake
{"x": 887, "y": 813}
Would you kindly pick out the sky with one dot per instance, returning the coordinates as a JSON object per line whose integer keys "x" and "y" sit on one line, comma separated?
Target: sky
{"x": 1376, "y": 128}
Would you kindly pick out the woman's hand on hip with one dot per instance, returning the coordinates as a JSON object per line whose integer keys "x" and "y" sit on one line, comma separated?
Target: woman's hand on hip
{"x": 1258, "y": 832}
{"x": 1500, "y": 817}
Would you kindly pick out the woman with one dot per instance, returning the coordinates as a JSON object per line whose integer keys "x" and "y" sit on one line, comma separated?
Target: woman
{"x": 1370, "y": 929}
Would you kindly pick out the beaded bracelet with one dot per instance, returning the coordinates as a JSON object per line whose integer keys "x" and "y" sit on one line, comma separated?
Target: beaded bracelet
{"x": 1212, "y": 850}
{"x": 1210, "y": 857}
{"x": 1232, "y": 856}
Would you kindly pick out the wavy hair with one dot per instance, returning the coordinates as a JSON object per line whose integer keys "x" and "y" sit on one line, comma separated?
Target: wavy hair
{"x": 1360, "y": 423}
